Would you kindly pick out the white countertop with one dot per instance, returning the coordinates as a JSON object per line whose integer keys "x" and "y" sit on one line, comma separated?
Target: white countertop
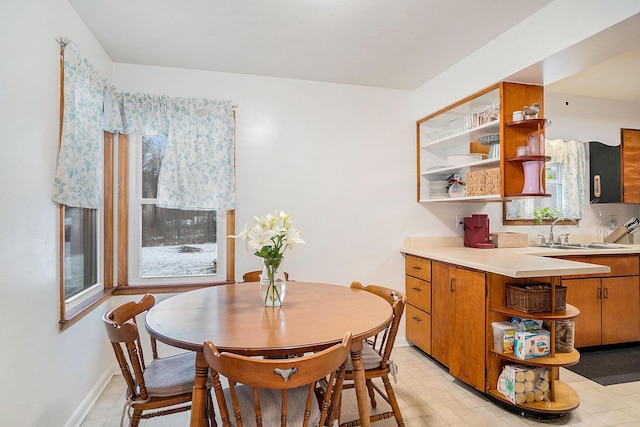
{"x": 510, "y": 262}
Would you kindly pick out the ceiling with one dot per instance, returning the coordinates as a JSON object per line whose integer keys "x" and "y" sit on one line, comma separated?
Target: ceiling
{"x": 616, "y": 78}
{"x": 380, "y": 43}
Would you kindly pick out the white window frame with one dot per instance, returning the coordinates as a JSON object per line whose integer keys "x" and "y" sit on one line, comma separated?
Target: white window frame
{"x": 84, "y": 295}
{"x": 135, "y": 230}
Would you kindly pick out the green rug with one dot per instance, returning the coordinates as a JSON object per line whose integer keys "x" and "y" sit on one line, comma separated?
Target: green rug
{"x": 609, "y": 366}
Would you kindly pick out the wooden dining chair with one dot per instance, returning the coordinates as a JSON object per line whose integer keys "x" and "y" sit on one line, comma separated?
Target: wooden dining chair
{"x": 278, "y": 392}
{"x": 376, "y": 353}
{"x": 163, "y": 382}
{"x": 254, "y": 276}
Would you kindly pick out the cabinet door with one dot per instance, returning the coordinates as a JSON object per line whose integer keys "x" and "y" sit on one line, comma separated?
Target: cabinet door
{"x": 441, "y": 304}
{"x": 620, "y": 310}
{"x": 585, "y": 294}
{"x": 604, "y": 167}
{"x": 630, "y": 165}
{"x": 467, "y": 340}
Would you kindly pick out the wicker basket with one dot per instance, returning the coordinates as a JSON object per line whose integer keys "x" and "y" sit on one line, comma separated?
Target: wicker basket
{"x": 535, "y": 300}
{"x": 475, "y": 183}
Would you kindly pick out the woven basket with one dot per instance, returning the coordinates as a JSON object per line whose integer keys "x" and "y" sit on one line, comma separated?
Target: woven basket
{"x": 535, "y": 300}
{"x": 475, "y": 183}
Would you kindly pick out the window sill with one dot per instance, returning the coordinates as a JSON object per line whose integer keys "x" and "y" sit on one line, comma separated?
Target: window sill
{"x": 164, "y": 289}
{"x": 82, "y": 309}
{"x": 78, "y": 312}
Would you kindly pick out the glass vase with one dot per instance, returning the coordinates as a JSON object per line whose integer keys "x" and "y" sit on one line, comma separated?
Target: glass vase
{"x": 273, "y": 285}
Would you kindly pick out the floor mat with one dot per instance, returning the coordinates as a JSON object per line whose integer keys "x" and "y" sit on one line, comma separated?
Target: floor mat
{"x": 609, "y": 366}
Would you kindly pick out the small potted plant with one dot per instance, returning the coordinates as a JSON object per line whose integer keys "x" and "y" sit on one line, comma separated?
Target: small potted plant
{"x": 540, "y": 214}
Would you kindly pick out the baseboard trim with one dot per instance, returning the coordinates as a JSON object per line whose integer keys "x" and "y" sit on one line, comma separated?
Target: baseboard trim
{"x": 90, "y": 401}
{"x": 401, "y": 342}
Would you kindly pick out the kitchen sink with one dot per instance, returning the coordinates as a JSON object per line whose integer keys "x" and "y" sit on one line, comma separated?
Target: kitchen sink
{"x": 580, "y": 246}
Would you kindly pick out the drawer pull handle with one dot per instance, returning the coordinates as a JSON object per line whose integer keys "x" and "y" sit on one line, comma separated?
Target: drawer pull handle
{"x": 606, "y": 293}
{"x": 416, "y": 289}
{"x": 415, "y": 267}
{"x": 417, "y": 319}
{"x": 599, "y": 293}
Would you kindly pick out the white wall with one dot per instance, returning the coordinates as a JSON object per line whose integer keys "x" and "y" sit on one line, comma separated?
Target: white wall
{"x": 335, "y": 155}
{"x": 341, "y": 157}
{"x": 45, "y": 374}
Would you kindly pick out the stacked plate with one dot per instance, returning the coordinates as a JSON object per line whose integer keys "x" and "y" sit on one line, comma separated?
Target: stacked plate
{"x": 439, "y": 189}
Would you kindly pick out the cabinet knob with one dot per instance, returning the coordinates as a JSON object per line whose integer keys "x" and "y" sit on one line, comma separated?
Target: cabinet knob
{"x": 417, "y": 319}
{"x": 416, "y": 289}
{"x": 451, "y": 284}
{"x": 606, "y": 293}
{"x": 415, "y": 267}
{"x": 599, "y": 293}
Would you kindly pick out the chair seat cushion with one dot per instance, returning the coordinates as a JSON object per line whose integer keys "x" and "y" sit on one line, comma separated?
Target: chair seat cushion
{"x": 271, "y": 404}
{"x": 370, "y": 358}
{"x": 168, "y": 376}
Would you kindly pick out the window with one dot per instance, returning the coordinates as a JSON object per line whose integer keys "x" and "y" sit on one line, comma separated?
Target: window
{"x": 565, "y": 183}
{"x": 538, "y": 210}
{"x": 169, "y": 245}
{"x": 80, "y": 253}
{"x": 150, "y": 246}
{"x": 100, "y": 236}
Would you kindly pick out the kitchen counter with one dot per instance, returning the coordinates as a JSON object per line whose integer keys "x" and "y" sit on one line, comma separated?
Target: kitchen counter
{"x": 510, "y": 262}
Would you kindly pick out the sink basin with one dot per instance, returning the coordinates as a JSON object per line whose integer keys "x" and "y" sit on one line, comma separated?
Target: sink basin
{"x": 581, "y": 246}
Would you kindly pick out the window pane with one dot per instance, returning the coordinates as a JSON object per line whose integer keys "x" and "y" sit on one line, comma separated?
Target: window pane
{"x": 80, "y": 250}
{"x": 152, "y": 152}
{"x": 177, "y": 242}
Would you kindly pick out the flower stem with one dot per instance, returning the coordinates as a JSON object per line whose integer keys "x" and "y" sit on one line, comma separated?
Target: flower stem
{"x": 271, "y": 265}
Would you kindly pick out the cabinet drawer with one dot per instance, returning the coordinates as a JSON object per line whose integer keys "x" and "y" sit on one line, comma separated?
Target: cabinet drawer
{"x": 621, "y": 265}
{"x": 418, "y": 267}
{"x": 419, "y": 328}
{"x": 418, "y": 293}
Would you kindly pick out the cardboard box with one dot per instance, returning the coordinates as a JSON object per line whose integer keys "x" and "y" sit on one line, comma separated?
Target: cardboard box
{"x": 532, "y": 344}
{"x": 510, "y": 240}
{"x": 524, "y": 384}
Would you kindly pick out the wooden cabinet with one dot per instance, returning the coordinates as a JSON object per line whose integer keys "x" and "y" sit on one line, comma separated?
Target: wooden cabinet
{"x": 444, "y": 136}
{"x": 466, "y": 342}
{"x": 461, "y": 305}
{"x": 445, "y": 311}
{"x": 562, "y": 398}
{"x": 442, "y": 304}
{"x": 630, "y": 140}
{"x": 418, "y": 290}
{"x": 609, "y": 303}
{"x": 458, "y": 313}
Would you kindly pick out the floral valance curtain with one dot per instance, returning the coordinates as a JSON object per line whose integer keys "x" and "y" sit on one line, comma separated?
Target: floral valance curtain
{"x": 79, "y": 172}
{"x": 572, "y": 156}
{"x": 197, "y": 171}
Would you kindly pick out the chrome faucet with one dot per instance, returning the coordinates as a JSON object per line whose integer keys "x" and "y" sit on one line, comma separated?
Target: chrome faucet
{"x": 566, "y": 236}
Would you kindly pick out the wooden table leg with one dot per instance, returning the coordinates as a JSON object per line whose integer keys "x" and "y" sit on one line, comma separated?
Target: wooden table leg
{"x": 199, "y": 392}
{"x": 360, "y": 383}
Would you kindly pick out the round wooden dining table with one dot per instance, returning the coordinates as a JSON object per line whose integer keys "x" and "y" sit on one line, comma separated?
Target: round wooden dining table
{"x": 313, "y": 316}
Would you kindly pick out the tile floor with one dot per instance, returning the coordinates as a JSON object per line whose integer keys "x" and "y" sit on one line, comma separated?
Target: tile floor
{"x": 429, "y": 396}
